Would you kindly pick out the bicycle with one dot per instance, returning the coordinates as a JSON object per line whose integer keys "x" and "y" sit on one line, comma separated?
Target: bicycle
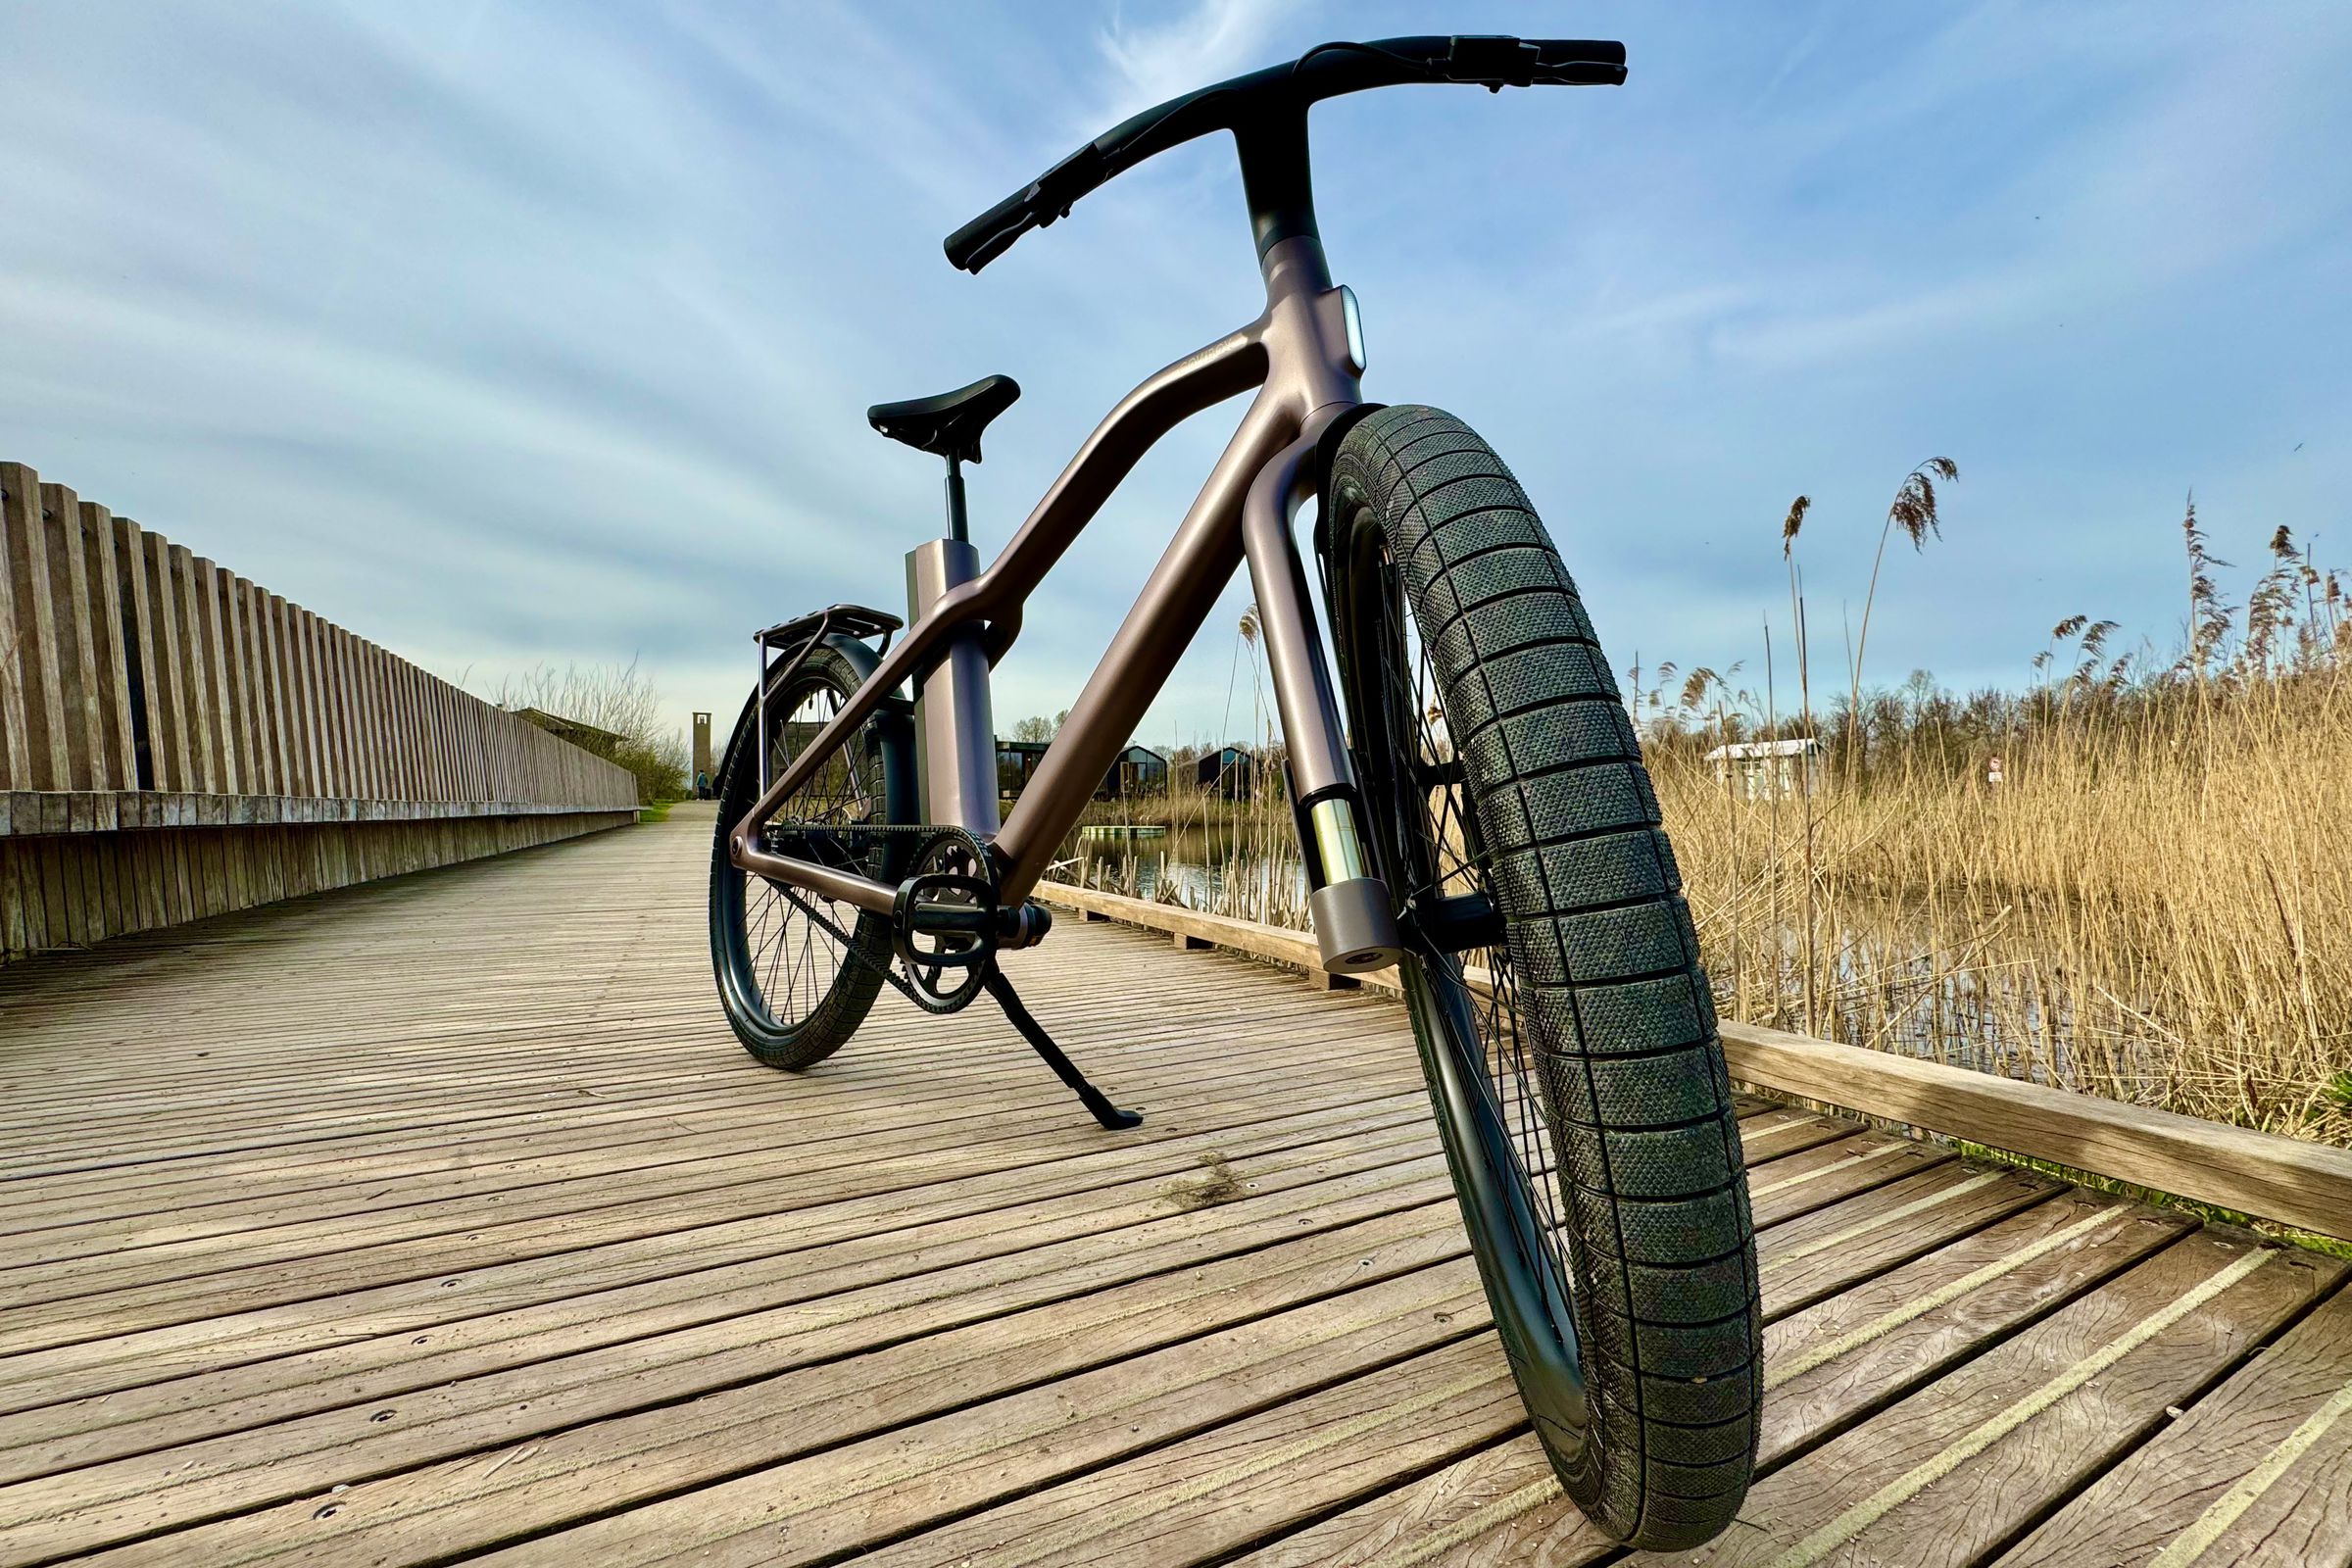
{"x": 1469, "y": 797}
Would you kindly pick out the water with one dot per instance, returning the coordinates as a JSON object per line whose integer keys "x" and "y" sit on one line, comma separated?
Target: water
{"x": 1900, "y": 978}
{"x": 1891, "y": 977}
{"x": 1222, "y": 869}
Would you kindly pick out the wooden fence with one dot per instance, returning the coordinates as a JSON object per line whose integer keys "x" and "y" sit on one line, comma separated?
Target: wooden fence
{"x": 176, "y": 741}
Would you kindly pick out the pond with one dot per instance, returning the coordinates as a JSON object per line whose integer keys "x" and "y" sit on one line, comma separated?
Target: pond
{"x": 1241, "y": 870}
{"x": 1884, "y": 974}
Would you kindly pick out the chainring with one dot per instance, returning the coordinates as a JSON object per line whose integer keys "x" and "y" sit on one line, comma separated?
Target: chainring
{"x": 944, "y": 971}
{"x": 944, "y": 852}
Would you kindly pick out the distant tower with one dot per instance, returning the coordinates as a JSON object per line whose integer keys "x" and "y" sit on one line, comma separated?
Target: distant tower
{"x": 704, "y": 779}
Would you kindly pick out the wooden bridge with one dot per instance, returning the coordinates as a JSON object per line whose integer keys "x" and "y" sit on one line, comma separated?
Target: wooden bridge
{"x": 440, "y": 1219}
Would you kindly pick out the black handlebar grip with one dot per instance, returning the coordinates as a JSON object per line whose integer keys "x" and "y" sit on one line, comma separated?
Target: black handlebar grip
{"x": 984, "y": 238}
{"x": 996, "y": 245}
{"x": 1597, "y": 51}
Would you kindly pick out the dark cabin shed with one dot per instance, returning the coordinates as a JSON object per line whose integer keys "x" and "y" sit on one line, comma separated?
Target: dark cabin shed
{"x": 1137, "y": 770}
{"x": 1229, "y": 772}
{"x": 1016, "y": 762}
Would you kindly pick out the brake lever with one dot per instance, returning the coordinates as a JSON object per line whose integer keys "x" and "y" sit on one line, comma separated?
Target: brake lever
{"x": 1058, "y": 188}
{"x": 1492, "y": 62}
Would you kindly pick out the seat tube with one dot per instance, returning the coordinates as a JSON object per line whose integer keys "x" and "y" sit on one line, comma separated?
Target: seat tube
{"x": 954, "y": 727}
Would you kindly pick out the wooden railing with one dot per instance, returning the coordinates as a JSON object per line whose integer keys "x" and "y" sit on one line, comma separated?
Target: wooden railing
{"x": 145, "y": 687}
{"x": 2297, "y": 1183}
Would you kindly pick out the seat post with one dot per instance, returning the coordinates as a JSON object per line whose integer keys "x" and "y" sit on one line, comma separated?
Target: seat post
{"x": 958, "y": 527}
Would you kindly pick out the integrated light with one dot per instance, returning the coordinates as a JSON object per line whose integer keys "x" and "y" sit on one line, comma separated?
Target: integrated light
{"x": 1355, "y": 329}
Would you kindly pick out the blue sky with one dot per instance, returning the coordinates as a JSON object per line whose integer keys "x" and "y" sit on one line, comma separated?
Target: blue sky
{"x": 510, "y": 332}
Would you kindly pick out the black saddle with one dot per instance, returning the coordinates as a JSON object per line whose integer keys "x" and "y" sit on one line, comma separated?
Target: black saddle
{"x": 947, "y": 425}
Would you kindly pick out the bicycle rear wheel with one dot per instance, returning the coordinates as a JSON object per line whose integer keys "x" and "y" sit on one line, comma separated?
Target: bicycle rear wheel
{"x": 1552, "y": 976}
{"x": 797, "y": 972}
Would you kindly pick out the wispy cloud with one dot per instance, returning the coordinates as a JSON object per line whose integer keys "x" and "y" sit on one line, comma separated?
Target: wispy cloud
{"x": 1158, "y": 52}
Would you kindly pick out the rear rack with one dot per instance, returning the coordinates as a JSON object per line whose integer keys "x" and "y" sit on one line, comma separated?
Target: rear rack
{"x": 854, "y": 620}
{"x": 801, "y": 635}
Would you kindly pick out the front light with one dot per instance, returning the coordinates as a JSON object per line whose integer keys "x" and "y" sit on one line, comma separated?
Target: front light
{"x": 1355, "y": 329}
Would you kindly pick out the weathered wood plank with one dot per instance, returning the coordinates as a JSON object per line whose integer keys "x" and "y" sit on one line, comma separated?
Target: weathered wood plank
{"x": 2287, "y": 1179}
{"x": 45, "y": 762}
{"x": 301, "y": 732}
{"x": 199, "y": 713}
{"x": 1959, "y": 1468}
{"x": 78, "y": 649}
{"x": 1884, "y": 1338}
{"x": 1201, "y": 1498}
{"x": 112, "y": 634}
{"x": 139, "y": 656}
{"x": 277, "y": 722}
{"x": 235, "y": 690}
{"x": 2261, "y": 1466}
{"x": 172, "y": 699}
{"x": 16, "y": 759}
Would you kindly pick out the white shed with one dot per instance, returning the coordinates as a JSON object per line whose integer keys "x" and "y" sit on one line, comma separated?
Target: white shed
{"x": 1764, "y": 770}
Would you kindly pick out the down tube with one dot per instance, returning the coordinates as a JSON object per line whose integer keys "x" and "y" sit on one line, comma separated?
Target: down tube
{"x": 1183, "y": 588}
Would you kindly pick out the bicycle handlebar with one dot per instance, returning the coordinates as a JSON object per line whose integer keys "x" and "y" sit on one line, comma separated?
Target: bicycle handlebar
{"x": 1278, "y": 92}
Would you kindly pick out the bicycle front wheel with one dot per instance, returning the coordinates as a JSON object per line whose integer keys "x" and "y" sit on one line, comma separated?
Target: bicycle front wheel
{"x": 1571, "y": 1053}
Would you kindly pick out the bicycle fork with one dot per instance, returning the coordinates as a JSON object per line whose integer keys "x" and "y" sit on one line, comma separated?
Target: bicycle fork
{"x": 1355, "y": 930}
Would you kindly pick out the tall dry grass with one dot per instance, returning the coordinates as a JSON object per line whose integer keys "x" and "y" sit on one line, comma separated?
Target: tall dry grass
{"x": 2154, "y": 902}
{"x": 619, "y": 698}
{"x": 2159, "y": 912}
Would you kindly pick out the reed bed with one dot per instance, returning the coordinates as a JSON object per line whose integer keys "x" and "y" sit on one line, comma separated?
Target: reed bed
{"x": 2131, "y": 879}
{"x": 2159, "y": 911}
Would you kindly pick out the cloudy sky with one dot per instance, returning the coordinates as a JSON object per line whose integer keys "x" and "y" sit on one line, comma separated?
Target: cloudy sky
{"x": 510, "y": 332}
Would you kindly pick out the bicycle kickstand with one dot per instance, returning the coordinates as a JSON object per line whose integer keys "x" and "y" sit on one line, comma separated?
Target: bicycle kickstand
{"x": 1112, "y": 1118}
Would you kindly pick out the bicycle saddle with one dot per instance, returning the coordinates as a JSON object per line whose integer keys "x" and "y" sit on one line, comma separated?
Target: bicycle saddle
{"x": 947, "y": 425}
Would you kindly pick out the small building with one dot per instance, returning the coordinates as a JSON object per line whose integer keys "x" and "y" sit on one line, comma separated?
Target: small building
{"x": 1229, "y": 772}
{"x": 1017, "y": 764}
{"x": 1137, "y": 770}
{"x": 1763, "y": 770}
{"x": 587, "y": 737}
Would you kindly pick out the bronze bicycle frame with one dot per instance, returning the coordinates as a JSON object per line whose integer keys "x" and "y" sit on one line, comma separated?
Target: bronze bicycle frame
{"x": 1302, "y": 358}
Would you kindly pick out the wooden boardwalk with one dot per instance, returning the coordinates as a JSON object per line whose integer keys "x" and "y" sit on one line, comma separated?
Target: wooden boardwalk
{"x": 441, "y": 1219}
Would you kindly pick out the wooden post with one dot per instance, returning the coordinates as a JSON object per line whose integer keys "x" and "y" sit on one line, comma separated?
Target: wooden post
{"x": 77, "y": 650}
{"x": 174, "y": 767}
{"x": 276, "y": 727}
{"x": 253, "y": 677}
{"x": 16, "y": 761}
{"x": 43, "y": 763}
{"x": 204, "y": 736}
{"x": 139, "y": 652}
{"x": 212, "y": 625}
{"x": 110, "y": 634}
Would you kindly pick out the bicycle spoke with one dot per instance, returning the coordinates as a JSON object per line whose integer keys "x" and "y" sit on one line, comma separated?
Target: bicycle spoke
{"x": 796, "y": 958}
{"x": 1444, "y": 857}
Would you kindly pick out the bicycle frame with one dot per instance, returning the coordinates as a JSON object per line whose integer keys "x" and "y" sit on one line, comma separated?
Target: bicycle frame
{"x": 1303, "y": 356}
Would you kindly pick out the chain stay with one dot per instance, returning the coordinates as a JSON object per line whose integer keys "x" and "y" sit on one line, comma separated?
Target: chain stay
{"x": 905, "y": 986}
